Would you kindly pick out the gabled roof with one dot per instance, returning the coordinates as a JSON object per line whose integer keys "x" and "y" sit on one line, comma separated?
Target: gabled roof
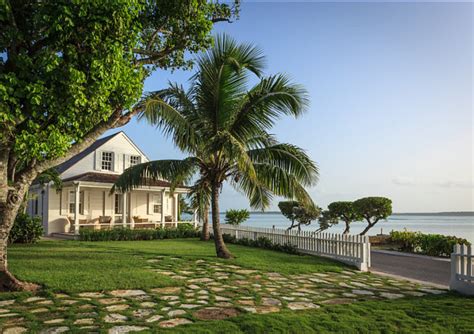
{"x": 98, "y": 143}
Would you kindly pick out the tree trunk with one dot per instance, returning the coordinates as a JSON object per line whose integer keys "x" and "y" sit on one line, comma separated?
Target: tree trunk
{"x": 369, "y": 226}
{"x": 348, "y": 227}
{"x": 221, "y": 249}
{"x": 205, "y": 224}
{"x": 292, "y": 225}
{"x": 11, "y": 199}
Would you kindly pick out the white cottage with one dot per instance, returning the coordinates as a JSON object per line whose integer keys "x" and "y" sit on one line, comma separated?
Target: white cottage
{"x": 85, "y": 200}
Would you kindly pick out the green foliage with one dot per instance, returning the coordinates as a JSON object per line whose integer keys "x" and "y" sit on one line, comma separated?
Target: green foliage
{"x": 287, "y": 209}
{"x": 429, "y": 244}
{"x": 26, "y": 229}
{"x": 126, "y": 234}
{"x": 302, "y": 214}
{"x": 344, "y": 211}
{"x": 223, "y": 125}
{"x": 67, "y": 68}
{"x": 326, "y": 220}
{"x": 261, "y": 242}
{"x": 51, "y": 175}
{"x": 372, "y": 209}
{"x": 306, "y": 214}
{"x": 236, "y": 217}
{"x": 64, "y": 69}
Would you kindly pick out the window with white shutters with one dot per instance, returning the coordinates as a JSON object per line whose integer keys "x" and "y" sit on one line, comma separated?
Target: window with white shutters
{"x": 107, "y": 161}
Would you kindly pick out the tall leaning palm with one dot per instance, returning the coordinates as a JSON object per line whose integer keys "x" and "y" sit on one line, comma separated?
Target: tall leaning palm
{"x": 223, "y": 126}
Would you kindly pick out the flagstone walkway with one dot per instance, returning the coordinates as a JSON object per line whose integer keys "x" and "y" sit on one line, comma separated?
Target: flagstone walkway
{"x": 205, "y": 290}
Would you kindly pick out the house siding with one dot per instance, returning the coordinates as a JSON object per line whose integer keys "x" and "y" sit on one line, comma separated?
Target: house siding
{"x": 120, "y": 145}
{"x": 53, "y": 206}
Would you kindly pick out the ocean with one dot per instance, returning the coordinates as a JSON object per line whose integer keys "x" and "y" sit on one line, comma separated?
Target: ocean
{"x": 459, "y": 226}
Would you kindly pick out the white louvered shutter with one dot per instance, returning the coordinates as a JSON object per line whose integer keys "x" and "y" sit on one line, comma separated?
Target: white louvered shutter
{"x": 97, "y": 160}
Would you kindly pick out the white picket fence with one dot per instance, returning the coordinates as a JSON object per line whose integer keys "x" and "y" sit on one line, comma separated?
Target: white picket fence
{"x": 350, "y": 249}
{"x": 462, "y": 273}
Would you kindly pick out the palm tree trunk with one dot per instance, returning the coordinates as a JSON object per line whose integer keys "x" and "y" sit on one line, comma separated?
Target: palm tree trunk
{"x": 221, "y": 249}
{"x": 205, "y": 224}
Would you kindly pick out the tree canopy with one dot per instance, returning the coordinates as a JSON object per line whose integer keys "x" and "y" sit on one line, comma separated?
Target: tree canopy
{"x": 236, "y": 217}
{"x": 344, "y": 211}
{"x": 70, "y": 70}
{"x": 223, "y": 124}
{"x": 373, "y": 209}
{"x": 300, "y": 213}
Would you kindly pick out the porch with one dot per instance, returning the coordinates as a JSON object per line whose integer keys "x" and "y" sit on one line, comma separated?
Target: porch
{"x": 86, "y": 202}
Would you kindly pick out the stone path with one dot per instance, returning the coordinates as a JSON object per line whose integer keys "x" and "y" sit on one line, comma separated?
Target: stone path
{"x": 206, "y": 290}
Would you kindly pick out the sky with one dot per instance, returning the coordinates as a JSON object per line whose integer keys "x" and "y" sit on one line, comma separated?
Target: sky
{"x": 391, "y": 98}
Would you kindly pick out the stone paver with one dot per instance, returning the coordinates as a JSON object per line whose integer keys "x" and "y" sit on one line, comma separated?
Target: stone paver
{"x": 210, "y": 290}
{"x": 126, "y": 329}
{"x": 174, "y": 322}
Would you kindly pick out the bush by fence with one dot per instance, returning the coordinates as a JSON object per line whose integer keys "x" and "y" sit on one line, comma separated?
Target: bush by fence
{"x": 26, "y": 229}
{"x": 261, "y": 242}
{"x": 428, "y": 244}
{"x": 126, "y": 234}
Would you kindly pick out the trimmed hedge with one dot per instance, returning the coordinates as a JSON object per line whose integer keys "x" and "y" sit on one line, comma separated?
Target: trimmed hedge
{"x": 428, "y": 244}
{"x": 26, "y": 229}
{"x": 261, "y": 242}
{"x": 126, "y": 234}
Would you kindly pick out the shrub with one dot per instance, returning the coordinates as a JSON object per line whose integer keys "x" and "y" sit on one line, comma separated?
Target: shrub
{"x": 26, "y": 229}
{"x": 261, "y": 242}
{"x": 236, "y": 217}
{"x": 429, "y": 244}
{"x": 126, "y": 234}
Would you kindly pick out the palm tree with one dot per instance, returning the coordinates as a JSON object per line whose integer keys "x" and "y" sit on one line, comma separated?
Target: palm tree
{"x": 223, "y": 127}
{"x": 200, "y": 198}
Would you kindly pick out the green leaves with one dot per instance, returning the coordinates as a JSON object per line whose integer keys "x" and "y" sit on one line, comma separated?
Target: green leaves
{"x": 178, "y": 172}
{"x": 71, "y": 69}
{"x": 223, "y": 125}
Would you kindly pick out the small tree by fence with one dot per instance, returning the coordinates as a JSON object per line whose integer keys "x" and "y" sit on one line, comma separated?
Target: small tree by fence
{"x": 351, "y": 249}
{"x": 462, "y": 273}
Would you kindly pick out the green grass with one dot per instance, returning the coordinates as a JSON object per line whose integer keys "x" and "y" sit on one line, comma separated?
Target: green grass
{"x": 431, "y": 314}
{"x": 72, "y": 266}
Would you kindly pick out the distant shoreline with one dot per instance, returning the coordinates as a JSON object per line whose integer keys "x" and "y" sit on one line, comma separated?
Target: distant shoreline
{"x": 454, "y": 213}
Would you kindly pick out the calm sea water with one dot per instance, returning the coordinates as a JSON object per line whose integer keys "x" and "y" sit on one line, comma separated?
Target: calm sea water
{"x": 448, "y": 225}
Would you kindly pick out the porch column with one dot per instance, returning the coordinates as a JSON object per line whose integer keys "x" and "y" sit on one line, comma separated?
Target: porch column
{"x": 132, "y": 222}
{"x": 124, "y": 209}
{"x": 163, "y": 207}
{"x": 175, "y": 209}
{"x": 195, "y": 218}
{"x": 77, "y": 190}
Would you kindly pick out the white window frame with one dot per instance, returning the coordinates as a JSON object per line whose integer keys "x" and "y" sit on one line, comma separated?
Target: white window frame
{"x": 107, "y": 159}
{"x": 157, "y": 205}
{"x": 134, "y": 160}
{"x": 72, "y": 202}
{"x": 118, "y": 204}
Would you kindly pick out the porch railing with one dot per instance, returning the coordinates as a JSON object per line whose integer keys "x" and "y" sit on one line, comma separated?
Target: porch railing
{"x": 350, "y": 249}
{"x": 462, "y": 273}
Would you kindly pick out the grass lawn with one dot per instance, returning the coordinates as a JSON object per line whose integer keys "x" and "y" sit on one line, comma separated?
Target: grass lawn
{"x": 246, "y": 284}
{"x": 72, "y": 266}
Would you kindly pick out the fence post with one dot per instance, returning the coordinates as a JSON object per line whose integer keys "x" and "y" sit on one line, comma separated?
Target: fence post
{"x": 369, "y": 255}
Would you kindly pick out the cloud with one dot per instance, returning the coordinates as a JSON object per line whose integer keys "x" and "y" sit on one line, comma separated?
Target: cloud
{"x": 403, "y": 181}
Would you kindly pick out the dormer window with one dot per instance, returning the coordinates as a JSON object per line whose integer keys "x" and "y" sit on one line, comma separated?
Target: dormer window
{"x": 107, "y": 160}
{"x": 134, "y": 160}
